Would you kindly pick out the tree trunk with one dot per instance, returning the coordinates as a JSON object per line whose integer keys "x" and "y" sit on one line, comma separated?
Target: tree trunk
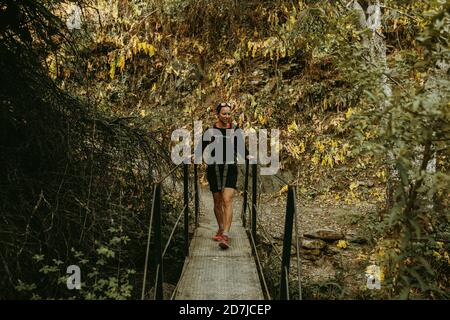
{"x": 370, "y": 17}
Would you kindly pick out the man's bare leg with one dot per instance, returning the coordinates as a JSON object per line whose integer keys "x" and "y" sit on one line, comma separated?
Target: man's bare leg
{"x": 227, "y": 200}
{"x": 218, "y": 208}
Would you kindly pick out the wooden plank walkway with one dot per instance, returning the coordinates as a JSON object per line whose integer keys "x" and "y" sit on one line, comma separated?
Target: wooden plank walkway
{"x": 211, "y": 273}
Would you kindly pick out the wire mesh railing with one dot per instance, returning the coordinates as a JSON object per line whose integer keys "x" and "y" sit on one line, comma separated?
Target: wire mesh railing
{"x": 156, "y": 224}
{"x": 290, "y": 218}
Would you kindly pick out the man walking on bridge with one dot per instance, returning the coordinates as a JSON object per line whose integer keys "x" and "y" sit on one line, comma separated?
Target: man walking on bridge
{"x": 222, "y": 173}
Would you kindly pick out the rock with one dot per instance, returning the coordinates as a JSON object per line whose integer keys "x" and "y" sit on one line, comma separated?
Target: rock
{"x": 358, "y": 240}
{"x": 310, "y": 257}
{"x": 331, "y": 250}
{"x": 368, "y": 183}
{"x": 313, "y": 244}
{"x": 314, "y": 252}
{"x": 325, "y": 234}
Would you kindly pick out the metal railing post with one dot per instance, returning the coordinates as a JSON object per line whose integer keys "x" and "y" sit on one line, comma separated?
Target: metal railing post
{"x": 286, "y": 259}
{"x": 186, "y": 209}
{"x": 158, "y": 248}
{"x": 244, "y": 209}
{"x": 254, "y": 190}
{"x": 196, "y": 195}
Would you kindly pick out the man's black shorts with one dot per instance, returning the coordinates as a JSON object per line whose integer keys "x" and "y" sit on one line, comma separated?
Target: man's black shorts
{"x": 221, "y": 176}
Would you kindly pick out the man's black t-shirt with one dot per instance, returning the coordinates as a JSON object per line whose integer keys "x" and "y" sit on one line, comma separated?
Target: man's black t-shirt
{"x": 230, "y": 138}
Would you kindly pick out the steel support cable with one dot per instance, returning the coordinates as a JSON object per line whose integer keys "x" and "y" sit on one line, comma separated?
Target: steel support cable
{"x": 278, "y": 177}
{"x": 260, "y": 266}
{"x": 281, "y": 179}
{"x": 260, "y": 269}
{"x": 169, "y": 173}
{"x": 173, "y": 231}
{"x": 148, "y": 243}
{"x": 268, "y": 236}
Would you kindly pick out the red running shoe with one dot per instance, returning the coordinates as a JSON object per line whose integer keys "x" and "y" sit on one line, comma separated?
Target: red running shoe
{"x": 225, "y": 242}
{"x": 218, "y": 235}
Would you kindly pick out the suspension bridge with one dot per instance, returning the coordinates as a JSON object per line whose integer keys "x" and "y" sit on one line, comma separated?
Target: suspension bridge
{"x": 210, "y": 273}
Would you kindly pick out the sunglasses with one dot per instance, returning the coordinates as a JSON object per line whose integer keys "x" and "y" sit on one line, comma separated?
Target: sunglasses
{"x": 224, "y": 104}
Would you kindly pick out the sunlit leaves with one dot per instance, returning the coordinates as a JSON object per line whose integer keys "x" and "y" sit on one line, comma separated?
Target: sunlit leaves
{"x": 292, "y": 127}
{"x": 120, "y": 57}
{"x": 273, "y": 48}
{"x": 112, "y": 69}
{"x": 342, "y": 244}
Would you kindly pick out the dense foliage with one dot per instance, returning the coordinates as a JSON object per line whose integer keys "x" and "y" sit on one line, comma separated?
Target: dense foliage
{"x": 359, "y": 89}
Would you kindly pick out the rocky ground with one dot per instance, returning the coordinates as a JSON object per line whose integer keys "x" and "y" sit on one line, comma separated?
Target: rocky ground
{"x": 335, "y": 244}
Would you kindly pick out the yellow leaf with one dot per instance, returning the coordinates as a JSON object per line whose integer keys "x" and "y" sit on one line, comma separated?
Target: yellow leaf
{"x": 324, "y": 160}
{"x": 342, "y": 244}
{"x": 292, "y": 127}
{"x": 262, "y": 119}
{"x": 327, "y": 161}
{"x": 199, "y": 47}
{"x": 353, "y": 186}
{"x": 334, "y": 144}
{"x": 315, "y": 159}
{"x": 349, "y": 113}
{"x": 121, "y": 63}
{"x": 320, "y": 146}
{"x": 292, "y": 19}
{"x": 151, "y": 50}
{"x": 381, "y": 275}
{"x": 135, "y": 48}
{"x": 302, "y": 147}
{"x": 112, "y": 70}
{"x": 284, "y": 189}
{"x": 437, "y": 255}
